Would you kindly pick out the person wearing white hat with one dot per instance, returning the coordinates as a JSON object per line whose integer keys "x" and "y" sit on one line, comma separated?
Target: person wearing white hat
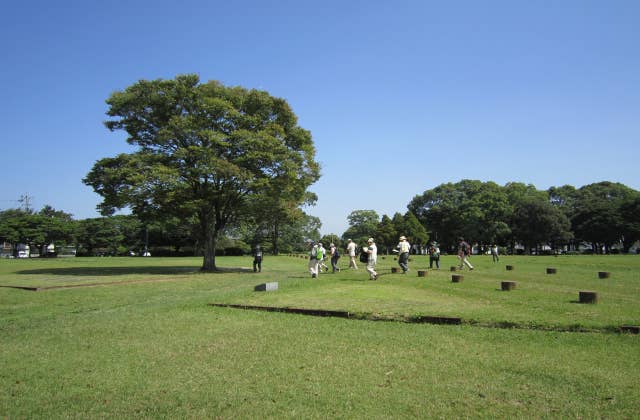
{"x": 351, "y": 249}
{"x": 372, "y": 250}
{"x": 403, "y": 256}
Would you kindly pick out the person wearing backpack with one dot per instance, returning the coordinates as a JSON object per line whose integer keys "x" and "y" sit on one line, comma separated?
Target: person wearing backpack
{"x": 257, "y": 259}
{"x": 335, "y": 256}
{"x": 464, "y": 250}
{"x": 313, "y": 260}
{"x": 322, "y": 254}
{"x": 434, "y": 255}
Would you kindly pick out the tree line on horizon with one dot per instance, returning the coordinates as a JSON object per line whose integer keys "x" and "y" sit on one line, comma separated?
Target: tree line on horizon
{"x": 604, "y": 215}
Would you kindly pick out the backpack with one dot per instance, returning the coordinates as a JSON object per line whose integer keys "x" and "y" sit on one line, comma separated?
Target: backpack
{"x": 364, "y": 257}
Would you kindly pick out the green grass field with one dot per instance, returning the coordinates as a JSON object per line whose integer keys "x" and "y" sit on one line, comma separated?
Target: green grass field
{"x": 144, "y": 341}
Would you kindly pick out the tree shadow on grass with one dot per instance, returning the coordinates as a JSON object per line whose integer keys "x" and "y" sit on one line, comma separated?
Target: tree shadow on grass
{"x": 129, "y": 270}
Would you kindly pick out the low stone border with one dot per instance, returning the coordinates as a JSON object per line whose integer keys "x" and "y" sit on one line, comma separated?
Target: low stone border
{"x": 420, "y": 319}
{"x": 302, "y": 311}
{"x": 424, "y": 319}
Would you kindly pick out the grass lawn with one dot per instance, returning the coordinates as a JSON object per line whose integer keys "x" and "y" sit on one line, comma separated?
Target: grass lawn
{"x": 153, "y": 346}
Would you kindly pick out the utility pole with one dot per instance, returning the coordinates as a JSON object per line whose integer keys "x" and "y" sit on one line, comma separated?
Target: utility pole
{"x": 25, "y": 200}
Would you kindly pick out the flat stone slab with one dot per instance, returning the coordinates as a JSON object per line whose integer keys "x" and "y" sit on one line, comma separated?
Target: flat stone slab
{"x": 266, "y": 287}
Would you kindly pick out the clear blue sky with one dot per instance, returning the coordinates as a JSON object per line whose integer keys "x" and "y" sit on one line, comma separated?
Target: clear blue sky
{"x": 399, "y": 96}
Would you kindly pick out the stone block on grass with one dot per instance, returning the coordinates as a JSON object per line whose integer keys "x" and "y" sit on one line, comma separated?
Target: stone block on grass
{"x": 508, "y": 285}
{"x": 266, "y": 287}
{"x": 588, "y": 297}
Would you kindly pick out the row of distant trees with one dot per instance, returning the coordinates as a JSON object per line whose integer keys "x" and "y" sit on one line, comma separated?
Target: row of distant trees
{"x": 604, "y": 215}
{"x": 128, "y": 234}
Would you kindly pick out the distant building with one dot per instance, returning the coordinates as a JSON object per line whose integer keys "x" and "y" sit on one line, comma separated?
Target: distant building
{"x": 7, "y": 250}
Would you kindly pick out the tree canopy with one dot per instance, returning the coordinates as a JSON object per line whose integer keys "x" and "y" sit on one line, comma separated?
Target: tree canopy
{"x": 205, "y": 151}
{"x": 602, "y": 214}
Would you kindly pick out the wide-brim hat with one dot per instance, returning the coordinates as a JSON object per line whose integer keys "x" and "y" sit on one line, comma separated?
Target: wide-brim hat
{"x": 403, "y": 238}
{"x": 370, "y": 240}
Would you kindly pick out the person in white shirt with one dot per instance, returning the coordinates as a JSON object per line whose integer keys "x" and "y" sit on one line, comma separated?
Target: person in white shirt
{"x": 313, "y": 260}
{"x": 372, "y": 250}
{"x": 403, "y": 254}
{"x": 351, "y": 249}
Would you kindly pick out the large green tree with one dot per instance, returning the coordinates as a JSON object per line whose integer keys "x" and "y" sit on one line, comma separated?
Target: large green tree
{"x": 630, "y": 212}
{"x": 414, "y": 230}
{"x": 386, "y": 234}
{"x": 598, "y": 215}
{"x": 205, "y": 151}
{"x": 536, "y": 222}
{"x": 473, "y": 209}
{"x": 363, "y": 224}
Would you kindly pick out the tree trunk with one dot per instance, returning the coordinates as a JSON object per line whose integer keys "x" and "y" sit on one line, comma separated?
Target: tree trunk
{"x": 209, "y": 249}
{"x": 276, "y": 234}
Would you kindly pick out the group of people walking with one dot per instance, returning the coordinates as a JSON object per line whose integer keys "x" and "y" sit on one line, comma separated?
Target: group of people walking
{"x": 369, "y": 256}
{"x": 317, "y": 256}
